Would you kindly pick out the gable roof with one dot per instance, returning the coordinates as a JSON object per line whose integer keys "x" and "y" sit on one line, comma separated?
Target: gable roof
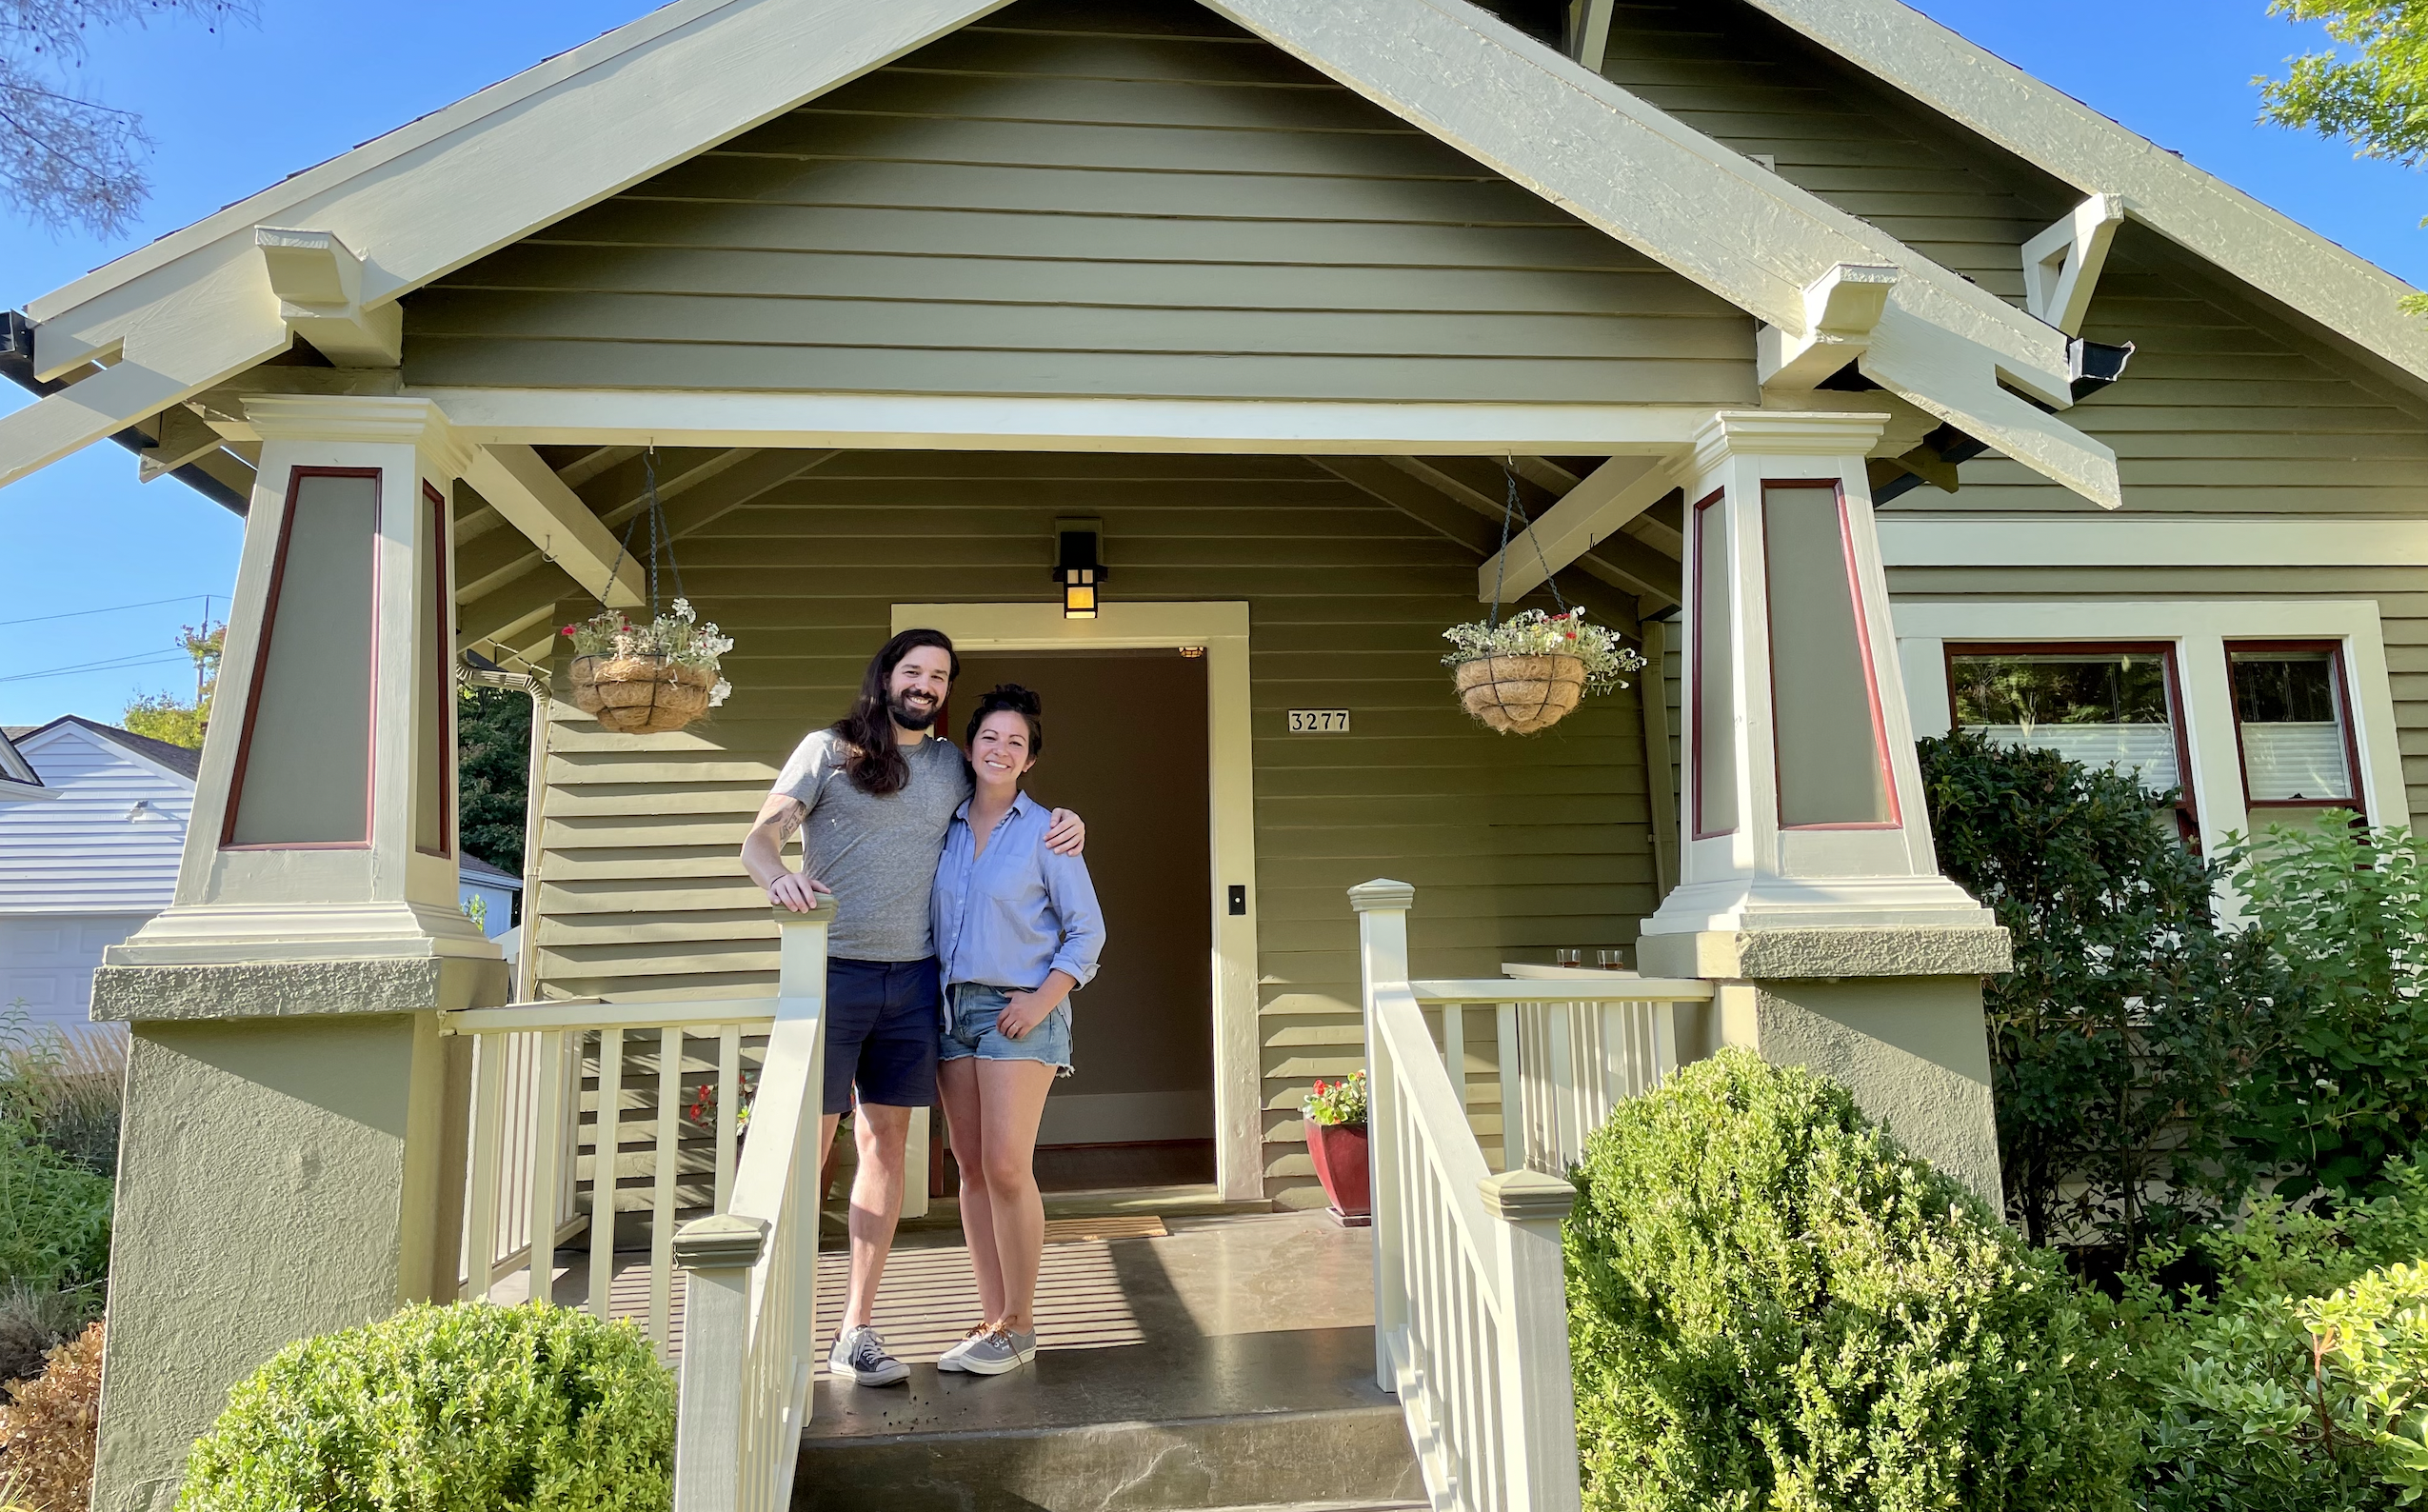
{"x": 2070, "y": 141}
{"x": 196, "y": 308}
{"x": 17, "y": 777}
{"x": 472, "y": 868}
{"x": 176, "y": 761}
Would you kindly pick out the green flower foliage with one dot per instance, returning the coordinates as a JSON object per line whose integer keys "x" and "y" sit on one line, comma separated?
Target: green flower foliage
{"x": 465, "y": 1408}
{"x": 1773, "y": 1308}
{"x": 54, "y": 1216}
{"x": 2120, "y": 1038}
{"x": 2345, "y": 1091}
{"x": 2300, "y": 1383}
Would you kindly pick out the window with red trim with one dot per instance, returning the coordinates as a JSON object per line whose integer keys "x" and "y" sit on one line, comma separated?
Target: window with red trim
{"x": 2293, "y": 723}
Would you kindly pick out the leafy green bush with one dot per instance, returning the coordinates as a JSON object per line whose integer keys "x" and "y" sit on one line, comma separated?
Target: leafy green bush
{"x": 1773, "y": 1306}
{"x": 2299, "y": 1380}
{"x": 464, "y": 1408}
{"x": 54, "y": 1216}
{"x": 2130, "y": 1023}
{"x": 2344, "y": 1090}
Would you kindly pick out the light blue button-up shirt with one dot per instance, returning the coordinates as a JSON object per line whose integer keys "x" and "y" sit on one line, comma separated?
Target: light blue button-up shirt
{"x": 1009, "y": 917}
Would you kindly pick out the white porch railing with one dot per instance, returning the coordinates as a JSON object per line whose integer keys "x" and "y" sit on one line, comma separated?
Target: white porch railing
{"x": 749, "y": 1301}
{"x": 1471, "y": 1317}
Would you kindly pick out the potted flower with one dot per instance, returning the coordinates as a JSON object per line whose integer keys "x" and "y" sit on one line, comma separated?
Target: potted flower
{"x": 1335, "y": 1137}
{"x": 651, "y": 678}
{"x": 1529, "y": 671}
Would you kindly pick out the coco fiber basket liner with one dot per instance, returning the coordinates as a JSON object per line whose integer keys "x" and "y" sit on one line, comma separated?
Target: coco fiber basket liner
{"x": 640, "y": 695}
{"x": 1520, "y": 695}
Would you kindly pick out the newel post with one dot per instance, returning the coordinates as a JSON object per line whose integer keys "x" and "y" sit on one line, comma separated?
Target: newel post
{"x": 1538, "y": 1395}
{"x": 716, "y": 1254}
{"x": 802, "y": 978}
{"x": 1808, "y": 886}
{"x": 1382, "y": 958}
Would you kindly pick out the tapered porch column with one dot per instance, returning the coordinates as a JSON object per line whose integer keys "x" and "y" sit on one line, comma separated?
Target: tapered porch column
{"x": 1807, "y": 882}
{"x": 292, "y": 1158}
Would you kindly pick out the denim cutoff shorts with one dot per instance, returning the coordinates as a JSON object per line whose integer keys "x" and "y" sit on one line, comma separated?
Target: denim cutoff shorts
{"x": 971, "y": 1010}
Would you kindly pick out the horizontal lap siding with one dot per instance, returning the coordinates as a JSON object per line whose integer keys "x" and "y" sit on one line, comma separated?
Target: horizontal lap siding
{"x": 1515, "y": 846}
{"x": 2401, "y": 594}
{"x": 1133, "y": 200}
{"x": 80, "y": 852}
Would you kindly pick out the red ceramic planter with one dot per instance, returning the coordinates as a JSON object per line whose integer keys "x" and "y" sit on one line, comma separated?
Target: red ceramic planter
{"x": 1339, "y": 1162}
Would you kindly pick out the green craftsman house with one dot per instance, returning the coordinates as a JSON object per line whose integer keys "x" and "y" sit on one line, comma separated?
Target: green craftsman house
{"x": 1868, "y": 385}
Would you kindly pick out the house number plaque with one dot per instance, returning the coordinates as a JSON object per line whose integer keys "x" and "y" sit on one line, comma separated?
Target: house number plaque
{"x": 1319, "y": 722}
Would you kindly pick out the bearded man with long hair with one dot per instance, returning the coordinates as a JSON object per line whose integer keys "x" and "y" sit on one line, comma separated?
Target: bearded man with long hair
{"x": 871, "y": 797}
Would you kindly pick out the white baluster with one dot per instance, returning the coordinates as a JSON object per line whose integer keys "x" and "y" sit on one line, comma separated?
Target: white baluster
{"x": 547, "y": 1161}
{"x": 607, "y": 1136}
{"x": 662, "y": 1195}
{"x": 489, "y": 1152}
{"x": 728, "y": 1106}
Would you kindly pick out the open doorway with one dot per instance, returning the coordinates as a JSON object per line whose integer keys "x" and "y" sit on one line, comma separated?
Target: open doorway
{"x": 1127, "y": 748}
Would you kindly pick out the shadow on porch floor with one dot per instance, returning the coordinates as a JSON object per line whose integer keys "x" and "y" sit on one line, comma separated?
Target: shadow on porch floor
{"x": 1215, "y": 1348}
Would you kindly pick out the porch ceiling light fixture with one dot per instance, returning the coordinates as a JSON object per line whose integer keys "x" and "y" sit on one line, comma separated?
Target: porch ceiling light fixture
{"x": 1077, "y": 564}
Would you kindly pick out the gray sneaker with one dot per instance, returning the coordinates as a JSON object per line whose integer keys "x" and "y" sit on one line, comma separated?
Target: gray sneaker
{"x": 998, "y": 1352}
{"x": 861, "y": 1356}
{"x": 950, "y": 1358}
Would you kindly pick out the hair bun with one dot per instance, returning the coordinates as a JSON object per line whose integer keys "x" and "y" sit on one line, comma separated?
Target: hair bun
{"x": 1013, "y": 696}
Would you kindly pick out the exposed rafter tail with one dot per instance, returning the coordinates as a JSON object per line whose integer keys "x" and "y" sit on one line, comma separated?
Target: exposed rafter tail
{"x": 1959, "y": 382}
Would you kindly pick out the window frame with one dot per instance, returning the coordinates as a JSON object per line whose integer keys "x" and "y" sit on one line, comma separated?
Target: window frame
{"x": 2179, "y": 712}
{"x": 2358, "y": 802}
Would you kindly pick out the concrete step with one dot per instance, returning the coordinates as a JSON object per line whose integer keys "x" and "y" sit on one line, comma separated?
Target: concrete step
{"x": 1284, "y": 1420}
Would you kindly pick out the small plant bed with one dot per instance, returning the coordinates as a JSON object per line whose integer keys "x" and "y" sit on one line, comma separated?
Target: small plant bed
{"x": 648, "y": 678}
{"x": 1528, "y": 672}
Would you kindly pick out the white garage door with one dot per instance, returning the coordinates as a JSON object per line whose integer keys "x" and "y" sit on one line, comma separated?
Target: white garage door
{"x": 47, "y": 961}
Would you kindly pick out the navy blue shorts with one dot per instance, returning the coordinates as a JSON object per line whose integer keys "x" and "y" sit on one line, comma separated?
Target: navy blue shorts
{"x": 881, "y": 1019}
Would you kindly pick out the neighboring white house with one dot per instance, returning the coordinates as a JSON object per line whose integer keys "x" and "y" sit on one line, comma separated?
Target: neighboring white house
{"x": 82, "y": 872}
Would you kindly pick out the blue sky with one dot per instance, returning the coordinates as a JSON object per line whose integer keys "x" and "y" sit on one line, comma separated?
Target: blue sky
{"x": 235, "y": 111}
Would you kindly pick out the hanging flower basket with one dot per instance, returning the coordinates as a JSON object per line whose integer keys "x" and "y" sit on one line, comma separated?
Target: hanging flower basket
{"x": 646, "y": 679}
{"x": 1532, "y": 669}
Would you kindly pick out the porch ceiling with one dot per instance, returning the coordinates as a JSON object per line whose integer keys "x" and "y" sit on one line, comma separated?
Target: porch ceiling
{"x": 511, "y": 597}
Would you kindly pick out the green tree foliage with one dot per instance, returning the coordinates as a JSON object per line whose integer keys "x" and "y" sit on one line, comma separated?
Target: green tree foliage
{"x": 2296, "y": 1380}
{"x": 2373, "y": 92}
{"x": 1772, "y": 1306}
{"x": 165, "y": 716}
{"x": 2119, "y": 1039}
{"x": 2342, "y": 1090}
{"x": 67, "y": 159}
{"x": 465, "y": 1408}
{"x": 493, "y": 773}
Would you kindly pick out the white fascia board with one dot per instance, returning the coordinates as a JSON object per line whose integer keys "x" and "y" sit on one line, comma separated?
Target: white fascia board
{"x": 196, "y": 307}
{"x": 1699, "y": 209}
{"x": 2151, "y": 541}
{"x": 2064, "y": 138}
{"x": 962, "y": 423}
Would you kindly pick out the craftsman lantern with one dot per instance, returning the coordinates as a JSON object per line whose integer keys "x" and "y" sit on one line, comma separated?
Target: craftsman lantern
{"x": 1078, "y": 545}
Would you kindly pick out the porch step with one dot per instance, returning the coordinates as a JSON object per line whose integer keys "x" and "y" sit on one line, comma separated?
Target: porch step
{"x": 1247, "y": 1423}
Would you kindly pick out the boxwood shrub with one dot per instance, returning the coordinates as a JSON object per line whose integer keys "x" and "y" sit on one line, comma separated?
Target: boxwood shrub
{"x": 1773, "y": 1306}
{"x": 463, "y": 1409}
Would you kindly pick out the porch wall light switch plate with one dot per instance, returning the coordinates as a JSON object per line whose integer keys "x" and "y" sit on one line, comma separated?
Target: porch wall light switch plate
{"x": 1319, "y": 722}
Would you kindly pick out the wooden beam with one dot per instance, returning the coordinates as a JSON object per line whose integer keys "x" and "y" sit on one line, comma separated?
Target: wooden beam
{"x": 495, "y": 600}
{"x": 318, "y": 280}
{"x": 1588, "y": 516}
{"x": 1428, "y": 507}
{"x": 2061, "y": 265}
{"x": 1586, "y": 30}
{"x": 535, "y": 501}
{"x": 179, "y": 436}
{"x": 1622, "y": 561}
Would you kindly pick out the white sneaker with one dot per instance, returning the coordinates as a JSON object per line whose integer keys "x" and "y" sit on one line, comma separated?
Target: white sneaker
{"x": 950, "y": 1358}
{"x": 1002, "y": 1351}
{"x": 860, "y": 1356}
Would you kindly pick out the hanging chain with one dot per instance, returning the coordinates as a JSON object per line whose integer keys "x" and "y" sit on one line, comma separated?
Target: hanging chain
{"x": 1500, "y": 563}
{"x": 661, "y": 538}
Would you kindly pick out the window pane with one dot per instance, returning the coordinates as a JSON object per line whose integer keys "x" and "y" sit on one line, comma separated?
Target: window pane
{"x": 2290, "y": 706}
{"x": 2102, "y": 709}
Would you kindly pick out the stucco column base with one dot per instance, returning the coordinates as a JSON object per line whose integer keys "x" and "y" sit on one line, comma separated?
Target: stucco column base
{"x": 1894, "y": 1014}
{"x": 281, "y": 1174}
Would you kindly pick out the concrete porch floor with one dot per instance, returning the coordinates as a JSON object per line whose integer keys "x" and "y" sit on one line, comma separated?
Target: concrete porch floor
{"x": 1190, "y": 1355}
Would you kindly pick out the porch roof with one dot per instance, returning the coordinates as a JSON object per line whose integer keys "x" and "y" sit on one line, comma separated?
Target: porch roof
{"x": 207, "y": 303}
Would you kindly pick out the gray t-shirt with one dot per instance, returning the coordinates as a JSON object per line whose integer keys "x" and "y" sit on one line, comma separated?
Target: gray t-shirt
{"x": 877, "y": 853}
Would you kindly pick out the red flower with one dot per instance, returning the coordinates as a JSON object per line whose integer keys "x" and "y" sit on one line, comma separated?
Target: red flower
{"x": 569, "y": 630}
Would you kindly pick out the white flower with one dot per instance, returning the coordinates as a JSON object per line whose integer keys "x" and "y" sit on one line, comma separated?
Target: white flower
{"x": 718, "y": 694}
{"x": 682, "y": 609}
